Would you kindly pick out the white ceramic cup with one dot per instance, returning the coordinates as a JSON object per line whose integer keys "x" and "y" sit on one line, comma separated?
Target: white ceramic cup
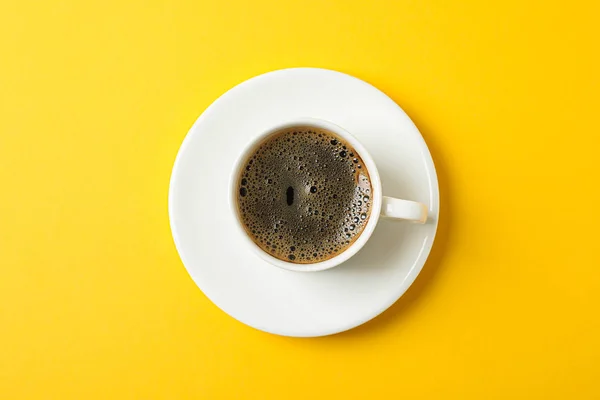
{"x": 382, "y": 206}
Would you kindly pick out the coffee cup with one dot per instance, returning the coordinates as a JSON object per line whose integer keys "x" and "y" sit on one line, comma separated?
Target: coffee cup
{"x": 307, "y": 195}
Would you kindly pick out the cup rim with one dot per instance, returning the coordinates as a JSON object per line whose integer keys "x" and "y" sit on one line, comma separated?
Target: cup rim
{"x": 375, "y": 185}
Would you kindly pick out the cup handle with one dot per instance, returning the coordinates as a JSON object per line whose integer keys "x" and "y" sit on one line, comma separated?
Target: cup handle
{"x": 404, "y": 209}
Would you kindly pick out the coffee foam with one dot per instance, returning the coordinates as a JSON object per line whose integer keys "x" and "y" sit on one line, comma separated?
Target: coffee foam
{"x": 304, "y": 195}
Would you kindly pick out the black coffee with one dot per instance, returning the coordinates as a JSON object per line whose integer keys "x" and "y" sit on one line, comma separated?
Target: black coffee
{"x": 304, "y": 195}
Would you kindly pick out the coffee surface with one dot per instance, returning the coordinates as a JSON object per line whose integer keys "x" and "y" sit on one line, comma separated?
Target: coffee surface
{"x": 304, "y": 195}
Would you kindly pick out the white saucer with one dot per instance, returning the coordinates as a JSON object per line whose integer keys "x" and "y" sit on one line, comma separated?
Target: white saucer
{"x": 248, "y": 288}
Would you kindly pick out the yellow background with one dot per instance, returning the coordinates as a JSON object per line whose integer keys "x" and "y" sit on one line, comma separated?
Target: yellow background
{"x": 96, "y": 97}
